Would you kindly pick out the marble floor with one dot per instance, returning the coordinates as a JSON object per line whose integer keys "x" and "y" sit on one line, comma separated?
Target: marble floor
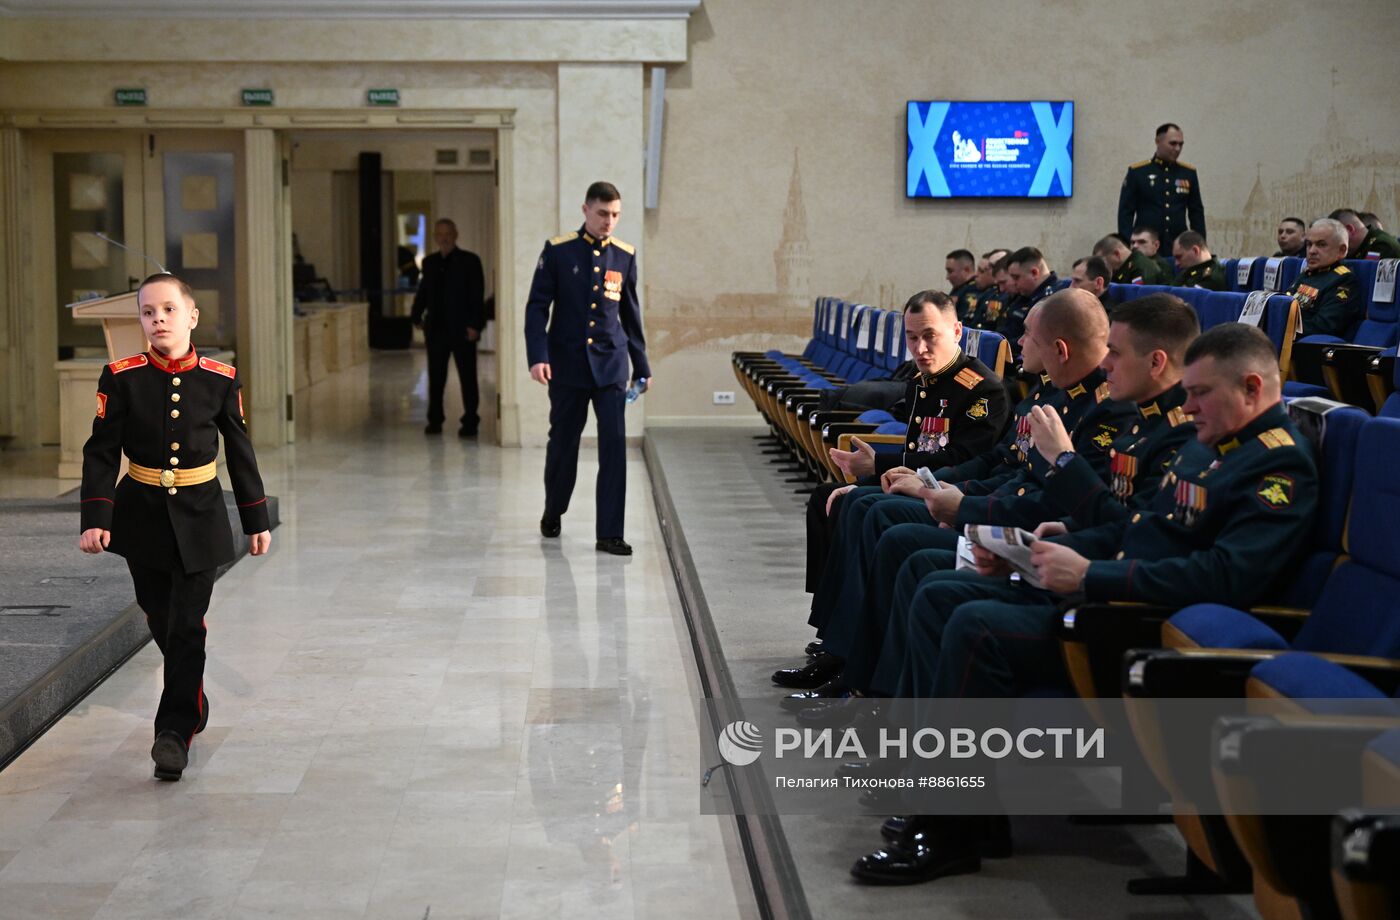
{"x": 419, "y": 708}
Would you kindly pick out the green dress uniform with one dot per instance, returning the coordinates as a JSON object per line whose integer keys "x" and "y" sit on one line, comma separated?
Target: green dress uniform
{"x": 1012, "y": 323}
{"x": 167, "y": 515}
{"x": 965, "y": 299}
{"x": 1209, "y": 275}
{"x": 1378, "y": 245}
{"x": 1226, "y": 526}
{"x": 1163, "y": 195}
{"x": 987, "y": 310}
{"x": 1164, "y": 268}
{"x": 1330, "y": 300}
{"x": 1139, "y": 269}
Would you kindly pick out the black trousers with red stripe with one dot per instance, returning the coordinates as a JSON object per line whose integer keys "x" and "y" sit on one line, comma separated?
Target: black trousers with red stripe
{"x": 175, "y": 603}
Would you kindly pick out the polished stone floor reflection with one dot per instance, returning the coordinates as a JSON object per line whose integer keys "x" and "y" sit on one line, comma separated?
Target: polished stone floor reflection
{"x": 419, "y": 708}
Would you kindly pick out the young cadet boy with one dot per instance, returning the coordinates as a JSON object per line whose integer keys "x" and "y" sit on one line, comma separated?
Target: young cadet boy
{"x": 165, "y": 409}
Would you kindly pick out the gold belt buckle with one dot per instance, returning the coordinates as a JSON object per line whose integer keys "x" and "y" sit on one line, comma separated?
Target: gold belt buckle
{"x": 167, "y": 478}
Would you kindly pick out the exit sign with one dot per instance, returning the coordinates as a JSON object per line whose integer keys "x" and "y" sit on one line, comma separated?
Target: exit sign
{"x": 382, "y": 97}
{"x": 131, "y": 96}
{"x": 257, "y": 97}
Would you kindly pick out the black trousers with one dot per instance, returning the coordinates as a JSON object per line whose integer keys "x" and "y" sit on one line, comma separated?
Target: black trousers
{"x": 175, "y": 603}
{"x": 568, "y": 412}
{"x": 441, "y": 347}
{"x": 821, "y": 531}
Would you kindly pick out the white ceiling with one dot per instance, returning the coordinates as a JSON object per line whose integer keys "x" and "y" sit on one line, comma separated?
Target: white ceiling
{"x": 350, "y": 9}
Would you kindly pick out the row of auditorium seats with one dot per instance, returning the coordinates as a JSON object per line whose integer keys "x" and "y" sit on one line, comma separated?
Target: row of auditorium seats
{"x": 1328, "y": 665}
{"x": 850, "y": 343}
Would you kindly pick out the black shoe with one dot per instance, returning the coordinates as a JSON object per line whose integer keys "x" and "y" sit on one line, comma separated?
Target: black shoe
{"x": 831, "y": 690}
{"x": 815, "y": 673}
{"x": 465, "y": 432}
{"x": 994, "y": 840}
{"x": 837, "y": 713}
{"x": 549, "y": 526}
{"x": 813, "y": 648}
{"x": 616, "y": 546}
{"x": 433, "y": 428}
{"x": 204, "y": 714}
{"x": 921, "y": 861}
{"x": 171, "y": 756}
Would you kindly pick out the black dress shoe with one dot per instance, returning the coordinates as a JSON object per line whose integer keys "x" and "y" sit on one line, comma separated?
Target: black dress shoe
{"x": 993, "y": 836}
{"x": 171, "y": 756}
{"x": 204, "y": 713}
{"x": 836, "y": 714}
{"x": 466, "y": 432}
{"x": 921, "y": 861}
{"x": 831, "y": 690}
{"x": 433, "y": 429}
{"x": 815, "y": 673}
{"x": 616, "y": 546}
{"x": 814, "y": 648}
{"x": 549, "y": 526}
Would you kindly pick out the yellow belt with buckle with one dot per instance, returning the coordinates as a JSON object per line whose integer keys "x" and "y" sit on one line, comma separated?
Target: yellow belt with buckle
{"x": 170, "y": 479}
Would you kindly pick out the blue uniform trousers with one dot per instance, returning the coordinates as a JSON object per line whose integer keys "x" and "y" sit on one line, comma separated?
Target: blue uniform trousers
{"x": 568, "y": 412}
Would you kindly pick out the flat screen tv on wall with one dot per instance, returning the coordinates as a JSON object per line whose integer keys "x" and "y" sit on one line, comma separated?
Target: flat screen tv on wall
{"x": 989, "y": 150}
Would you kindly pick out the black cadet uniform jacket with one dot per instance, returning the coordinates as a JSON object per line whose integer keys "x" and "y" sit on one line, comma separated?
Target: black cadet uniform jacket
{"x": 955, "y": 414}
{"x": 1137, "y": 461}
{"x": 1162, "y": 195}
{"x": 168, "y": 415}
{"x": 1226, "y": 525}
{"x": 1209, "y": 275}
{"x": 1329, "y": 300}
{"x": 1094, "y": 422}
{"x": 451, "y": 293}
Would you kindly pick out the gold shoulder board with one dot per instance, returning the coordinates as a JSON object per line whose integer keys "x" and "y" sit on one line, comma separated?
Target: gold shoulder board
{"x": 1177, "y": 416}
{"x": 625, "y": 247}
{"x": 1101, "y": 393}
{"x": 1276, "y": 437}
{"x": 968, "y": 378}
{"x": 562, "y": 238}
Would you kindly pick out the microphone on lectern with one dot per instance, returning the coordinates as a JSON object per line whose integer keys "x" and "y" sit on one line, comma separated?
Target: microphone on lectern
{"x": 102, "y": 236}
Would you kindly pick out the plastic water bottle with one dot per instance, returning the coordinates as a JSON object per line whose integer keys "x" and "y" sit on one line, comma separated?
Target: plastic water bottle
{"x": 634, "y": 392}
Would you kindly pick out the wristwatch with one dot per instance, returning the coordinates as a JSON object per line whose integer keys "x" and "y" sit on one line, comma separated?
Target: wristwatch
{"x": 1064, "y": 459}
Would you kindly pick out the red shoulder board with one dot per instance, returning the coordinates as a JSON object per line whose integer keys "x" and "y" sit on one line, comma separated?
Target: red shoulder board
{"x": 126, "y": 364}
{"x": 218, "y": 367}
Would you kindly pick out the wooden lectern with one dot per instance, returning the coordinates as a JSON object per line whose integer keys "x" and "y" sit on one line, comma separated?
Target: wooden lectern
{"x": 77, "y": 377}
{"x": 121, "y": 323}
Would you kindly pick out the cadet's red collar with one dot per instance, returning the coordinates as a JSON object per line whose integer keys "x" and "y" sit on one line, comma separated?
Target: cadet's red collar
{"x": 179, "y": 365}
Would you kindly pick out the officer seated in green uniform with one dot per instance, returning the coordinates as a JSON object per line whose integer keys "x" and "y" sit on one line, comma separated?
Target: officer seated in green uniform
{"x": 1091, "y": 273}
{"x": 1363, "y": 242}
{"x": 992, "y": 301}
{"x": 1146, "y": 241}
{"x": 983, "y": 282}
{"x": 1326, "y": 291}
{"x": 1196, "y": 266}
{"x": 1031, "y": 282}
{"x": 960, "y": 270}
{"x": 1129, "y": 265}
{"x": 1290, "y": 234}
{"x": 1234, "y": 512}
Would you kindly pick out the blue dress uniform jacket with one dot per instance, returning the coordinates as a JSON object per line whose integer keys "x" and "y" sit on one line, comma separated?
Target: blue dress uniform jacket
{"x": 596, "y": 323}
{"x": 168, "y": 415}
{"x": 1162, "y": 195}
{"x": 1137, "y": 461}
{"x": 1227, "y": 521}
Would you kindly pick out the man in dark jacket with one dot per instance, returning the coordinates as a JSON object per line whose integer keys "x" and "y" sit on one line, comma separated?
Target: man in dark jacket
{"x": 451, "y": 295}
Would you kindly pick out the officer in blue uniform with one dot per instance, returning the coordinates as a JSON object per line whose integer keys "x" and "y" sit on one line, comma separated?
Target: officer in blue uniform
{"x": 590, "y": 278}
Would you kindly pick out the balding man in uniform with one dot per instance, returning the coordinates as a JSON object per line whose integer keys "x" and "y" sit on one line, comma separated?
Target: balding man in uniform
{"x": 1163, "y": 192}
{"x": 1365, "y": 242}
{"x": 1130, "y": 266}
{"x": 1327, "y": 292}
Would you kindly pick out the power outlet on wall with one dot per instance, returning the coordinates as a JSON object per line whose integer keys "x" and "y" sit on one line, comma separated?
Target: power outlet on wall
{"x": 724, "y": 397}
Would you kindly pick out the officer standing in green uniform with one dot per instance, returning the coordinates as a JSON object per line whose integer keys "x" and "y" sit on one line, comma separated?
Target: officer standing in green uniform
{"x": 1129, "y": 266}
{"x": 1326, "y": 291}
{"x": 1235, "y": 509}
{"x": 165, "y": 410}
{"x": 1163, "y": 192}
{"x": 960, "y": 270}
{"x": 1365, "y": 242}
{"x": 1196, "y": 266}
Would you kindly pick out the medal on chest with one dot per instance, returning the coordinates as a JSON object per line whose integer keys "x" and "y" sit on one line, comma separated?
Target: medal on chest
{"x": 933, "y": 433}
{"x": 1024, "y": 441}
{"x": 1122, "y": 469}
{"x": 612, "y": 285}
{"x": 1190, "y": 502}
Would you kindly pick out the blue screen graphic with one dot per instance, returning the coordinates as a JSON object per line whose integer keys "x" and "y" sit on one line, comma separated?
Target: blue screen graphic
{"x": 990, "y": 150}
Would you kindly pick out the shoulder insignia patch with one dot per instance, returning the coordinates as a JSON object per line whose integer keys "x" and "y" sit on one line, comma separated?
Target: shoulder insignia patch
{"x": 1341, "y": 269}
{"x": 101, "y": 404}
{"x": 1276, "y": 437}
{"x": 1105, "y": 437}
{"x": 562, "y": 238}
{"x": 1140, "y": 165}
{"x": 968, "y": 378}
{"x": 1076, "y": 391}
{"x": 1177, "y": 416}
{"x": 1184, "y": 165}
{"x": 218, "y": 367}
{"x": 126, "y": 364}
{"x": 1101, "y": 393}
{"x": 978, "y": 410}
{"x": 625, "y": 247}
{"x": 1275, "y": 491}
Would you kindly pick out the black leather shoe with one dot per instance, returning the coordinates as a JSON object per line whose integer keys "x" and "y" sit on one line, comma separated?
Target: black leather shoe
{"x": 831, "y": 690}
{"x": 994, "y": 839}
{"x": 204, "y": 717}
{"x": 814, "y": 648}
{"x": 433, "y": 429}
{"x": 815, "y": 673}
{"x": 466, "y": 432}
{"x": 549, "y": 526}
{"x": 171, "y": 756}
{"x": 616, "y": 546}
{"x": 917, "y": 862}
{"x": 835, "y": 714}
